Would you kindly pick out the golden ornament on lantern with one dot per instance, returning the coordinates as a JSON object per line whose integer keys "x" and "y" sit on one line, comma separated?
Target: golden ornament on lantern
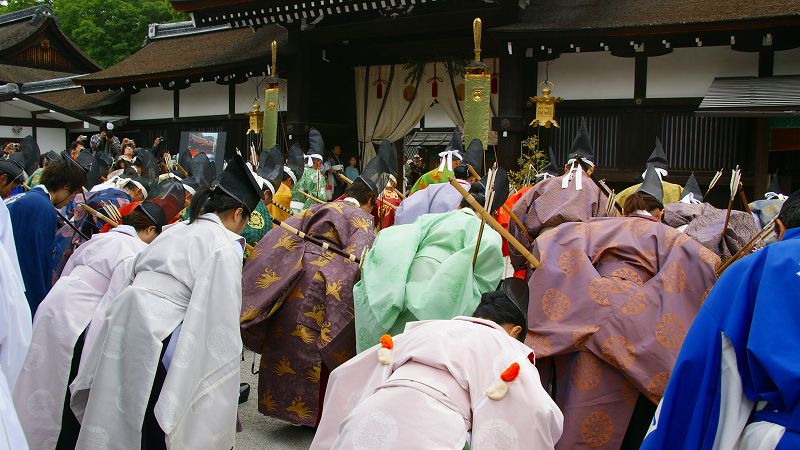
{"x": 256, "y": 118}
{"x": 546, "y": 106}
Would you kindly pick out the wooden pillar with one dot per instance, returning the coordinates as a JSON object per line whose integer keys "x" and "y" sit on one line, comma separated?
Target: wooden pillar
{"x": 298, "y": 87}
{"x": 761, "y": 159}
{"x": 509, "y": 122}
{"x": 766, "y": 62}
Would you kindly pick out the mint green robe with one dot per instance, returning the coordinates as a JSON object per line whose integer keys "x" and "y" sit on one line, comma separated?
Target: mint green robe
{"x": 312, "y": 182}
{"x": 423, "y": 271}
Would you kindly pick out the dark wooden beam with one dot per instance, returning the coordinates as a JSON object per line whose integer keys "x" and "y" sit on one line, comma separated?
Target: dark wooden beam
{"x": 43, "y": 123}
{"x": 231, "y": 100}
{"x": 766, "y": 62}
{"x": 640, "y": 77}
{"x": 176, "y": 104}
{"x": 760, "y": 158}
{"x": 509, "y": 122}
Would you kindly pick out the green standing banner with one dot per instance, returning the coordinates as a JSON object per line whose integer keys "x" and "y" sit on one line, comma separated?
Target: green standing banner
{"x": 270, "y": 136}
{"x": 477, "y": 109}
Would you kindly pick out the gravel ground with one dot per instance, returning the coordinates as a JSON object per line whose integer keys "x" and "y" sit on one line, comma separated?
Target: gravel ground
{"x": 262, "y": 432}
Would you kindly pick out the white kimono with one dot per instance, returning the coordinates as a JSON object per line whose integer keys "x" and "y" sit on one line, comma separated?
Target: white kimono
{"x": 15, "y": 333}
{"x": 433, "y": 393}
{"x": 191, "y": 276}
{"x": 98, "y": 266}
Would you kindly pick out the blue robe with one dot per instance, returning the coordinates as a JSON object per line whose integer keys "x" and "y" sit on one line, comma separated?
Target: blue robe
{"x": 748, "y": 326}
{"x": 34, "y": 221}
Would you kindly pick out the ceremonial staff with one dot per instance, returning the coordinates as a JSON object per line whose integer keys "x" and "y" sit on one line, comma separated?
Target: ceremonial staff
{"x": 487, "y": 204}
{"x": 316, "y": 241}
{"x": 71, "y": 225}
{"x": 495, "y": 225}
{"x": 281, "y": 207}
{"x": 518, "y": 222}
{"x": 309, "y": 196}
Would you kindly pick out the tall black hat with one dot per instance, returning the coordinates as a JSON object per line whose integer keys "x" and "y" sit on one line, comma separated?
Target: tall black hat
{"x": 148, "y": 166}
{"x": 165, "y": 202}
{"x": 295, "y": 162}
{"x": 501, "y": 190}
{"x": 316, "y": 146}
{"x": 456, "y": 141}
{"x": 552, "y": 169}
{"x": 27, "y": 155}
{"x": 270, "y": 168}
{"x": 375, "y": 174}
{"x": 517, "y": 291}
{"x": 387, "y": 152}
{"x": 658, "y": 158}
{"x": 582, "y": 145}
{"x": 99, "y": 168}
{"x": 201, "y": 173}
{"x": 774, "y": 189}
{"x": 14, "y": 171}
{"x": 652, "y": 184}
{"x": 85, "y": 159}
{"x": 693, "y": 188}
{"x": 52, "y": 155}
{"x": 473, "y": 157}
{"x": 238, "y": 182}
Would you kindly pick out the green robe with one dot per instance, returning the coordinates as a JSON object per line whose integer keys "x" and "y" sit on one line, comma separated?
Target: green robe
{"x": 33, "y": 180}
{"x": 431, "y": 177}
{"x": 260, "y": 222}
{"x": 313, "y": 183}
{"x": 423, "y": 271}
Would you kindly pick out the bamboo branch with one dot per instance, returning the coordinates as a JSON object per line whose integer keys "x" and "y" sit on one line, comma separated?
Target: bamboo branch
{"x": 495, "y": 226}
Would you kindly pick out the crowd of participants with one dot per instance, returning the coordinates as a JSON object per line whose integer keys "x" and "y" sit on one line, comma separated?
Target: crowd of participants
{"x": 463, "y": 313}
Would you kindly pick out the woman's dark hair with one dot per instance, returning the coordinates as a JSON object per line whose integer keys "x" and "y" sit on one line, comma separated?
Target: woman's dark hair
{"x": 139, "y": 220}
{"x": 640, "y": 201}
{"x": 360, "y": 191}
{"x": 497, "y": 307}
{"x": 60, "y": 173}
{"x": 213, "y": 201}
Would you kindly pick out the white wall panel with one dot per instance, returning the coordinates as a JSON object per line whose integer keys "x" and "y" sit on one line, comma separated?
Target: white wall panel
{"x": 204, "y": 99}
{"x": 247, "y": 91}
{"x": 688, "y": 72}
{"x": 51, "y": 139}
{"x": 152, "y": 103}
{"x": 7, "y": 133}
{"x": 436, "y": 117}
{"x": 590, "y": 75}
{"x": 787, "y": 62}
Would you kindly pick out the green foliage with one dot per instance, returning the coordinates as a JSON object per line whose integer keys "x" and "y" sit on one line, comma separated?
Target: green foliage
{"x": 106, "y": 30}
{"x": 531, "y": 162}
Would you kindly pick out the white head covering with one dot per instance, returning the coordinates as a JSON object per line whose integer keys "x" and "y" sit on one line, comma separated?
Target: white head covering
{"x": 575, "y": 171}
{"x": 311, "y": 157}
{"x": 290, "y": 172}
{"x": 447, "y": 159}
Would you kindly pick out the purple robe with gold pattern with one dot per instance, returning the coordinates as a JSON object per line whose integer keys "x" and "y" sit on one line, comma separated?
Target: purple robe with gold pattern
{"x": 297, "y": 308}
{"x": 704, "y": 224}
{"x": 547, "y": 205}
{"x": 609, "y": 309}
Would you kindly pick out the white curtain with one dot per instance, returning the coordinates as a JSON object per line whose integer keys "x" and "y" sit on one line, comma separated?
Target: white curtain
{"x": 393, "y": 116}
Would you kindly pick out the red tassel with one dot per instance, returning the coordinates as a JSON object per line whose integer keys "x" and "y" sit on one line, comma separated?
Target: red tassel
{"x": 435, "y": 89}
{"x": 494, "y": 83}
{"x": 379, "y": 89}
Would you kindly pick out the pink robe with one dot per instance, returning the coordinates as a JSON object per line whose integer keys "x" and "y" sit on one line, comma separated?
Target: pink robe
{"x": 433, "y": 393}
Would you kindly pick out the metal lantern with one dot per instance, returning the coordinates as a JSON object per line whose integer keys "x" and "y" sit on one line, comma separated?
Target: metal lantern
{"x": 256, "y": 118}
{"x": 546, "y": 106}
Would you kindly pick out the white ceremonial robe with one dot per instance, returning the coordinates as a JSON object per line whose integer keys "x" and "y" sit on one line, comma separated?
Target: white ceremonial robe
{"x": 60, "y": 320}
{"x": 191, "y": 276}
{"x": 434, "y": 392}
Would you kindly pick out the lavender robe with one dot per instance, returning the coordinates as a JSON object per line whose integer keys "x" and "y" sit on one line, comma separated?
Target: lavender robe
{"x": 434, "y": 199}
{"x": 547, "y": 205}
{"x": 608, "y": 312}
{"x": 433, "y": 391}
{"x": 704, "y": 224}
{"x": 297, "y": 307}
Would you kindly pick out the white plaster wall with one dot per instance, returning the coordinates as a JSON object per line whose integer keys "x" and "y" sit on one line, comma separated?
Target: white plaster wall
{"x": 204, "y": 99}
{"x": 246, "y": 92}
{"x": 590, "y": 75}
{"x": 8, "y": 110}
{"x": 436, "y": 117}
{"x": 6, "y": 133}
{"x": 787, "y": 62}
{"x": 688, "y": 72}
{"x": 51, "y": 139}
{"x": 152, "y": 103}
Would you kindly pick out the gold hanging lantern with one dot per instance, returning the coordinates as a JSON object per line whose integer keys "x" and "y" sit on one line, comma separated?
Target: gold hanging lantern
{"x": 256, "y": 118}
{"x": 546, "y": 106}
